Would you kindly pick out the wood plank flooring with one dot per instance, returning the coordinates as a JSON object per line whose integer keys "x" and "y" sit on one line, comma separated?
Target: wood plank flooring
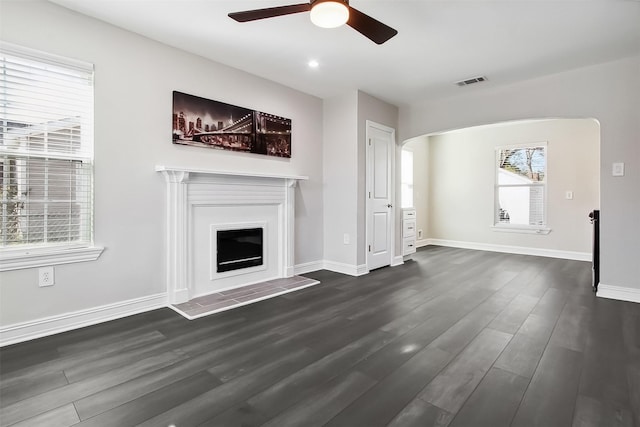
{"x": 452, "y": 338}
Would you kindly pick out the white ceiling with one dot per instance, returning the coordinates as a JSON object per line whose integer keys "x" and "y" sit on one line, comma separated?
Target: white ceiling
{"x": 439, "y": 42}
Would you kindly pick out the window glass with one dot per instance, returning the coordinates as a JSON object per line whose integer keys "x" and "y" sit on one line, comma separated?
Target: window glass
{"x": 407, "y": 179}
{"x": 46, "y": 150}
{"x": 521, "y": 185}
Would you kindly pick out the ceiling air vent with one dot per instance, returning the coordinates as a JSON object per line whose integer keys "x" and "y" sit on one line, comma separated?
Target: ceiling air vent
{"x": 471, "y": 81}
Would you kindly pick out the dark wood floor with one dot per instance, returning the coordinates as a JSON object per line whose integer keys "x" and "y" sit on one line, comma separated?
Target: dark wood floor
{"x": 453, "y": 338}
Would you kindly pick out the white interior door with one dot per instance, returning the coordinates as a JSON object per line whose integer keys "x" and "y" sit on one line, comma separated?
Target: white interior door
{"x": 380, "y": 153}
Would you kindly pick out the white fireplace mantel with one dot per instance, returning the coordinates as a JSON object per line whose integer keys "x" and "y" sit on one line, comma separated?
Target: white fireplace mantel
{"x": 190, "y": 188}
{"x": 177, "y": 171}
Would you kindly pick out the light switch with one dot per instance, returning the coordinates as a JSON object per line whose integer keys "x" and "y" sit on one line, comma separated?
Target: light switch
{"x": 617, "y": 169}
{"x": 569, "y": 195}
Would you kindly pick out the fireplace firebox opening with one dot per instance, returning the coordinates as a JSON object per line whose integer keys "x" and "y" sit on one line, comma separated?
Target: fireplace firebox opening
{"x": 238, "y": 249}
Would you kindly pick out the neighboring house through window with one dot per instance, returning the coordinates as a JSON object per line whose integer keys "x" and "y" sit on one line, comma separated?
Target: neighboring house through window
{"x": 520, "y": 191}
{"x": 46, "y": 159}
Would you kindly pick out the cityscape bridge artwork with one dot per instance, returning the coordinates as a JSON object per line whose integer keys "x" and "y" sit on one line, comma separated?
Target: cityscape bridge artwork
{"x": 203, "y": 122}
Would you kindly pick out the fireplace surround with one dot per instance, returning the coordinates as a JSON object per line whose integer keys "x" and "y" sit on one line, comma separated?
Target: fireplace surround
{"x": 202, "y": 202}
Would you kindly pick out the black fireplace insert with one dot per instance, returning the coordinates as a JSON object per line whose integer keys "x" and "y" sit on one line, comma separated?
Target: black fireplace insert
{"x": 239, "y": 249}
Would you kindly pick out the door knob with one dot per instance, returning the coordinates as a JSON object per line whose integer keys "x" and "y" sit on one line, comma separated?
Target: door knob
{"x": 389, "y": 205}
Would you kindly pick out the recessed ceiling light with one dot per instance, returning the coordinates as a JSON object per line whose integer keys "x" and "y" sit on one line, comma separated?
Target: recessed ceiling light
{"x": 313, "y": 64}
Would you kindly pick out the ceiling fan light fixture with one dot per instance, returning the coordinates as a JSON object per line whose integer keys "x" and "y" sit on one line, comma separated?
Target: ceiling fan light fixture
{"x": 329, "y": 14}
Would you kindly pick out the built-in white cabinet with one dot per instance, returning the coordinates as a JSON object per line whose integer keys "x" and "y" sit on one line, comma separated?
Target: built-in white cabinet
{"x": 408, "y": 231}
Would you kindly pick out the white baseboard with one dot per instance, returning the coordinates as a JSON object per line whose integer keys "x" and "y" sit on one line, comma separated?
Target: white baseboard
{"x": 362, "y": 269}
{"x": 618, "y": 293}
{"x": 339, "y": 267}
{"x": 308, "y": 267}
{"x": 25, "y": 331}
{"x": 179, "y": 296}
{"x": 398, "y": 260}
{"x": 422, "y": 242}
{"x": 350, "y": 269}
{"x": 290, "y": 271}
{"x": 521, "y": 250}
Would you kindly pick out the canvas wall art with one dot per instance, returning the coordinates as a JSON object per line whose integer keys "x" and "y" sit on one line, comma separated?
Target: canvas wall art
{"x": 203, "y": 122}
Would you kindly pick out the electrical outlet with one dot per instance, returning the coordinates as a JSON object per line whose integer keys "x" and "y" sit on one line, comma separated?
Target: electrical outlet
{"x": 345, "y": 239}
{"x": 617, "y": 169}
{"x": 46, "y": 277}
{"x": 419, "y": 233}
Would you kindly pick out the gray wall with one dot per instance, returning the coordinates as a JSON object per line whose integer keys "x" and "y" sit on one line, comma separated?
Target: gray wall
{"x": 608, "y": 92}
{"x": 340, "y": 178}
{"x": 381, "y": 112}
{"x": 421, "y": 182}
{"x": 344, "y": 151}
{"x": 134, "y": 80}
{"x": 461, "y": 178}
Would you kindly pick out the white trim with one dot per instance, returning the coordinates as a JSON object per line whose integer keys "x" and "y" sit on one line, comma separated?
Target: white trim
{"x": 350, "y": 269}
{"x": 544, "y": 184}
{"x": 79, "y": 112}
{"x": 521, "y": 250}
{"x": 33, "y": 329}
{"x": 308, "y": 267}
{"x": 505, "y": 228}
{"x": 289, "y": 271}
{"x": 180, "y": 294}
{"x": 173, "y": 170}
{"x": 41, "y": 56}
{"x": 188, "y": 189}
{"x": 15, "y": 260}
{"x": 422, "y": 242}
{"x": 392, "y": 190}
{"x": 618, "y": 293}
{"x": 398, "y": 260}
{"x": 362, "y": 269}
{"x": 522, "y": 145}
{"x": 339, "y": 267}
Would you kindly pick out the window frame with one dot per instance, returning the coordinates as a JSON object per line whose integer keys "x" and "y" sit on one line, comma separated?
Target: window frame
{"x": 29, "y": 255}
{"x": 521, "y": 228}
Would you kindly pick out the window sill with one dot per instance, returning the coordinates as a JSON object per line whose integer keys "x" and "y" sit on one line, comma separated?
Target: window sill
{"x": 521, "y": 229}
{"x": 25, "y": 258}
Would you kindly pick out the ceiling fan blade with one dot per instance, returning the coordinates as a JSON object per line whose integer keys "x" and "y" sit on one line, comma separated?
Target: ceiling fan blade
{"x": 270, "y": 12}
{"x": 371, "y": 28}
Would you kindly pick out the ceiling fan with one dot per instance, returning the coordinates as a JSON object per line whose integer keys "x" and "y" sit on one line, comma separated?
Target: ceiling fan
{"x": 326, "y": 14}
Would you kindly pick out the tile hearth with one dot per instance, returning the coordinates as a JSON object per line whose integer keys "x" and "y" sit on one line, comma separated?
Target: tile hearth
{"x": 232, "y": 298}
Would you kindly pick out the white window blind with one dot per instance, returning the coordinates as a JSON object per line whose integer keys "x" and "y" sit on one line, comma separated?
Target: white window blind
{"x": 46, "y": 150}
{"x": 521, "y": 186}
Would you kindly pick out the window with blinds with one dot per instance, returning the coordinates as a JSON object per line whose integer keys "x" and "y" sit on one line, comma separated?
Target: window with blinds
{"x": 521, "y": 179}
{"x": 46, "y": 150}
